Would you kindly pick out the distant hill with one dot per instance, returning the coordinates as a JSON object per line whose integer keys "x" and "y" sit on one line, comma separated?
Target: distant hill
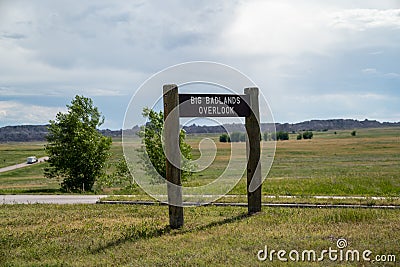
{"x": 25, "y": 133}
{"x": 335, "y": 124}
{"x": 313, "y": 125}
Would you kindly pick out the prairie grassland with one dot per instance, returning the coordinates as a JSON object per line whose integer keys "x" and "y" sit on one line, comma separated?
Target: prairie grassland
{"x": 31, "y": 179}
{"x": 364, "y": 165}
{"x": 329, "y": 164}
{"x": 15, "y": 153}
{"x": 126, "y": 235}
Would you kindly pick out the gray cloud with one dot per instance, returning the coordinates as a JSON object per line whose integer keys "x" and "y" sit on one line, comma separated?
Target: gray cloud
{"x": 316, "y": 50}
{"x": 12, "y": 36}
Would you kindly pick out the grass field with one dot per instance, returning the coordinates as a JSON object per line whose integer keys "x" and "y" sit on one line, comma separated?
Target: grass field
{"x": 110, "y": 235}
{"x": 14, "y": 153}
{"x": 31, "y": 179}
{"x": 133, "y": 235}
{"x": 329, "y": 164}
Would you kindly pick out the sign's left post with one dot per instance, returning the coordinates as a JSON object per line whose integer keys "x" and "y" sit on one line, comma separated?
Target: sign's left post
{"x": 172, "y": 153}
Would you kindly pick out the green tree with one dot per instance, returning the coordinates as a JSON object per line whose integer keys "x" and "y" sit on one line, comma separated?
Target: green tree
{"x": 152, "y": 153}
{"x": 224, "y": 138}
{"x": 266, "y": 136}
{"x": 353, "y": 133}
{"x": 281, "y": 136}
{"x": 77, "y": 150}
{"x": 299, "y": 136}
{"x": 308, "y": 135}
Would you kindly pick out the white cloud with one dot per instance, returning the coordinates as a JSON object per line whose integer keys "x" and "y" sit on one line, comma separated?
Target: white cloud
{"x": 13, "y": 112}
{"x": 376, "y": 53}
{"x": 392, "y": 75}
{"x": 297, "y": 28}
{"x": 370, "y": 71}
{"x": 343, "y": 99}
{"x": 363, "y": 105}
{"x": 364, "y": 19}
{"x": 23, "y": 75}
{"x": 277, "y": 27}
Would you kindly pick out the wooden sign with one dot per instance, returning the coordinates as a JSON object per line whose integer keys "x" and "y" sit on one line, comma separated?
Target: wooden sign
{"x": 213, "y": 105}
{"x": 209, "y": 105}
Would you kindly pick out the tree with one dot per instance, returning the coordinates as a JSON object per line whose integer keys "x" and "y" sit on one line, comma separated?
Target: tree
{"x": 266, "y": 136}
{"x": 224, "y": 138}
{"x": 152, "y": 153}
{"x": 299, "y": 136}
{"x": 77, "y": 150}
{"x": 308, "y": 135}
{"x": 353, "y": 133}
{"x": 238, "y": 137}
{"x": 282, "y": 136}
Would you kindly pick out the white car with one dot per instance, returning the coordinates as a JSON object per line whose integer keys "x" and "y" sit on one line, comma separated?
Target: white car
{"x": 31, "y": 160}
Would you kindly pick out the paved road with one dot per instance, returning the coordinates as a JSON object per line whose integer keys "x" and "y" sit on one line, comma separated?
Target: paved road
{"x": 22, "y": 165}
{"x": 92, "y": 199}
{"x": 50, "y": 199}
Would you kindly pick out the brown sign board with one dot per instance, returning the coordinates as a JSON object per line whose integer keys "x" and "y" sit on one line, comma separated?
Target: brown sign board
{"x": 213, "y": 105}
{"x": 210, "y": 105}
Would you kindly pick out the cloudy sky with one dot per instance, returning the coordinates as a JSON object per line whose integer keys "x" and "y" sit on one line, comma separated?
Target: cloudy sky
{"x": 312, "y": 59}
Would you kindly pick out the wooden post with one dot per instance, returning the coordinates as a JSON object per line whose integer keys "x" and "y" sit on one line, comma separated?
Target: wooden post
{"x": 253, "y": 152}
{"x": 173, "y": 172}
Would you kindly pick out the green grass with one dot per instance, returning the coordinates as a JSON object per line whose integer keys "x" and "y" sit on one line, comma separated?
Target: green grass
{"x": 15, "y": 153}
{"x": 109, "y": 235}
{"x": 31, "y": 179}
{"x": 365, "y": 165}
{"x": 276, "y": 199}
{"x": 28, "y": 180}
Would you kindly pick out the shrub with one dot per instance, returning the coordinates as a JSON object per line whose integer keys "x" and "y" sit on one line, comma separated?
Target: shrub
{"x": 353, "y": 133}
{"x": 224, "y": 138}
{"x": 308, "y": 135}
{"x": 282, "y": 135}
{"x": 299, "y": 136}
{"x": 265, "y": 136}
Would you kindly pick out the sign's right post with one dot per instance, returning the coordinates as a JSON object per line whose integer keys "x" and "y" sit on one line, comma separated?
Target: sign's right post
{"x": 253, "y": 152}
